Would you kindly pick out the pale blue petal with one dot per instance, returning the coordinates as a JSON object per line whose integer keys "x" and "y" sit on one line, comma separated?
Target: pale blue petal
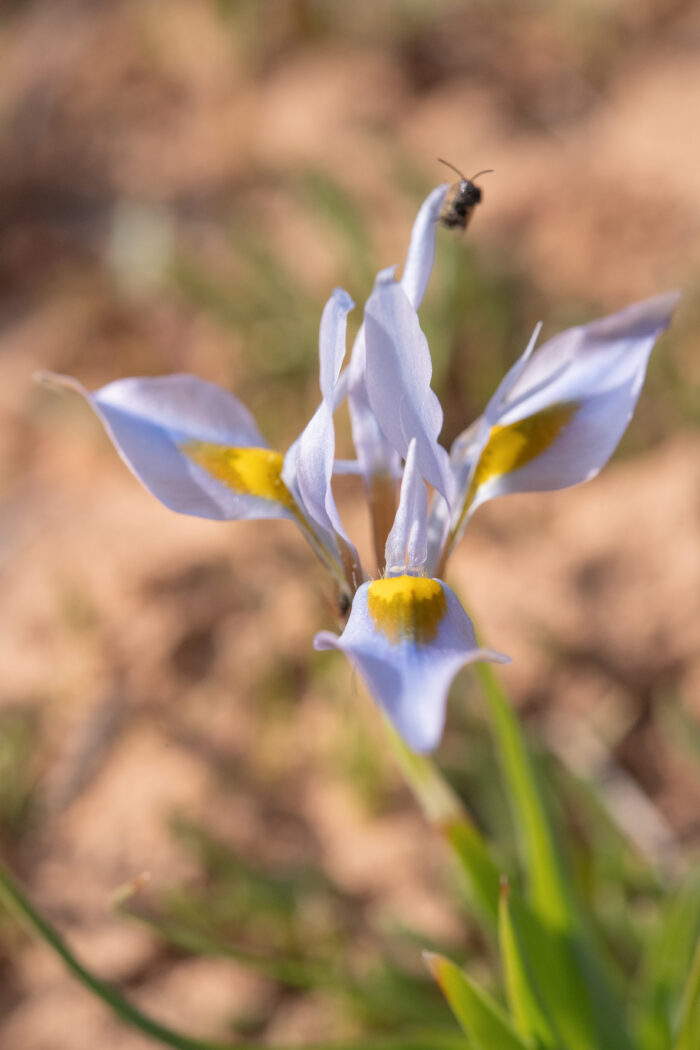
{"x": 591, "y": 359}
{"x": 438, "y": 532}
{"x": 397, "y": 375}
{"x": 410, "y": 681}
{"x": 151, "y": 422}
{"x": 598, "y": 371}
{"x": 375, "y": 455}
{"x": 407, "y": 543}
{"x": 347, "y": 467}
{"x": 421, "y": 251}
{"x": 308, "y": 469}
{"x": 510, "y": 379}
{"x": 580, "y": 451}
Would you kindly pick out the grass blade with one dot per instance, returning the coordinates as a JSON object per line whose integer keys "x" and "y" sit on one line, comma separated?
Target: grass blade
{"x": 524, "y": 996}
{"x": 578, "y": 988}
{"x": 480, "y": 1017}
{"x": 16, "y": 901}
{"x": 688, "y": 1037}
{"x": 548, "y": 888}
{"x": 668, "y": 959}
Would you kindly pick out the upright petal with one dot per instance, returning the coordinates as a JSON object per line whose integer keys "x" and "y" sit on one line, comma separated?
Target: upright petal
{"x": 421, "y": 250}
{"x": 397, "y": 375}
{"x": 408, "y": 636}
{"x": 378, "y": 461}
{"x": 407, "y": 543}
{"x": 308, "y": 468}
{"x": 308, "y": 465}
{"x": 193, "y": 445}
{"x": 559, "y": 417}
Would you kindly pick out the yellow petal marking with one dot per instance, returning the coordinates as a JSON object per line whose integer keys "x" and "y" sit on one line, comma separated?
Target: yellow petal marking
{"x": 407, "y": 608}
{"x": 250, "y": 471}
{"x": 516, "y": 444}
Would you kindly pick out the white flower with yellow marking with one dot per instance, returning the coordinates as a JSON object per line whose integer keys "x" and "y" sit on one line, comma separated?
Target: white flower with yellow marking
{"x": 199, "y": 450}
{"x": 407, "y": 634}
{"x": 554, "y": 421}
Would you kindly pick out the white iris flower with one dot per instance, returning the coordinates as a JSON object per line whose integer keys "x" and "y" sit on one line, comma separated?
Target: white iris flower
{"x": 554, "y": 421}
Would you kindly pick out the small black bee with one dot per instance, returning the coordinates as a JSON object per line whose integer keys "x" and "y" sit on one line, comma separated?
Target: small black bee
{"x": 461, "y": 200}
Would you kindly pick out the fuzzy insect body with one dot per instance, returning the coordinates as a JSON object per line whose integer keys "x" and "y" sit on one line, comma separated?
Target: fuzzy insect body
{"x": 461, "y": 200}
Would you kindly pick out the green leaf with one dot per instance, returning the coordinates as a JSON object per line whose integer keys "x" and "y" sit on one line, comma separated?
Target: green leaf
{"x": 442, "y": 807}
{"x": 548, "y": 888}
{"x": 667, "y": 961}
{"x": 480, "y": 1017}
{"x": 12, "y": 896}
{"x": 524, "y": 996}
{"x": 688, "y": 1037}
{"x": 573, "y": 976}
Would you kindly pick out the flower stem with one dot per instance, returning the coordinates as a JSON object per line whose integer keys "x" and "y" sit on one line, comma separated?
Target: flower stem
{"x": 548, "y": 885}
{"x": 445, "y": 811}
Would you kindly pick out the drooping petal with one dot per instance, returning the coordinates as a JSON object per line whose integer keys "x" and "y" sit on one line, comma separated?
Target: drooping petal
{"x": 560, "y": 417}
{"x": 407, "y": 543}
{"x": 397, "y": 375}
{"x": 193, "y": 445}
{"x": 408, "y": 636}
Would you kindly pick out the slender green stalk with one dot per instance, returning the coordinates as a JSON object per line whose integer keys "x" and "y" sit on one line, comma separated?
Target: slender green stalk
{"x": 549, "y": 891}
{"x": 575, "y": 973}
{"x": 442, "y": 808}
{"x": 689, "y": 1026}
{"x": 15, "y": 900}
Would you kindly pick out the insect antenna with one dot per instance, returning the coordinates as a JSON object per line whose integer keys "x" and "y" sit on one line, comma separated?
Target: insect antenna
{"x": 486, "y": 171}
{"x": 448, "y": 165}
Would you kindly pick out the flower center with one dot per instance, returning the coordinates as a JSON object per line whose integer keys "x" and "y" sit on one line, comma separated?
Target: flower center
{"x": 407, "y": 608}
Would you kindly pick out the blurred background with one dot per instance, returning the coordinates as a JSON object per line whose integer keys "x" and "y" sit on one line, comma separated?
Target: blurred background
{"x": 182, "y": 183}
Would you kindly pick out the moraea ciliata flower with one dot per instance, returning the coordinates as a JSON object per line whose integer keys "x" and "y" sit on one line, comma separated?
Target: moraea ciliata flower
{"x": 554, "y": 421}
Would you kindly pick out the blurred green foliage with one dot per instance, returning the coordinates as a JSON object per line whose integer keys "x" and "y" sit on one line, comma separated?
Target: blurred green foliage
{"x": 19, "y": 741}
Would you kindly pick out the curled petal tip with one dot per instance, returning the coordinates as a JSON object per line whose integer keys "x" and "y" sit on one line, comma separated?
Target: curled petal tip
{"x": 343, "y": 299}
{"x": 435, "y": 200}
{"x": 386, "y": 276}
{"x": 56, "y": 381}
{"x": 494, "y": 656}
{"x": 325, "y": 640}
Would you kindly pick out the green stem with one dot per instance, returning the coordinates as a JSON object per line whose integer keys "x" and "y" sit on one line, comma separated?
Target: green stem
{"x": 444, "y": 810}
{"x": 688, "y": 1037}
{"x": 15, "y": 900}
{"x": 548, "y": 886}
